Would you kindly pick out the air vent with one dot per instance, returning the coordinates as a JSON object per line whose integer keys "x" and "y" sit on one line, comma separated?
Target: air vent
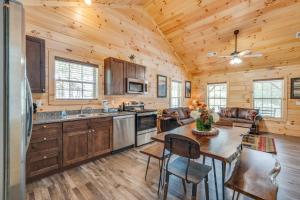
{"x": 211, "y": 54}
{"x": 298, "y": 35}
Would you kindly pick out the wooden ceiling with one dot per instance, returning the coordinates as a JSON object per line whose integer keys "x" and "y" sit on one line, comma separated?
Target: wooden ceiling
{"x": 195, "y": 27}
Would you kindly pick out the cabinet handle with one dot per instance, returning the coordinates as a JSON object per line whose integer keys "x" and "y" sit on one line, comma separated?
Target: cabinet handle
{"x": 45, "y": 157}
{"x": 44, "y": 126}
{"x": 44, "y": 138}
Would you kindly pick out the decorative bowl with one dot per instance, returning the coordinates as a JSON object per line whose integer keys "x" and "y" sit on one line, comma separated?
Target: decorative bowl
{"x": 212, "y": 132}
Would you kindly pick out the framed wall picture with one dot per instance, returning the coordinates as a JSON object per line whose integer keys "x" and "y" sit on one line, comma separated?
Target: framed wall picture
{"x": 188, "y": 89}
{"x": 162, "y": 86}
{"x": 295, "y": 88}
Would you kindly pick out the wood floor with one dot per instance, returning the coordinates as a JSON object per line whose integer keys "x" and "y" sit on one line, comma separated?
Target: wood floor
{"x": 121, "y": 176}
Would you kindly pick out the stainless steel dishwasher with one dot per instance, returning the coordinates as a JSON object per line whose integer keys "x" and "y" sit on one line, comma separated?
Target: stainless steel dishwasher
{"x": 123, "y": 131}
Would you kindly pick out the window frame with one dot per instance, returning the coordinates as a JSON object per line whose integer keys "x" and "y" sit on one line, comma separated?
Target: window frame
{"x": 95, "y": 84}
{"x": 50, "y": 86}
{"x": 180, "y": 97}
{"x": 283, "y": 98}
{"x": 207, "y": 92}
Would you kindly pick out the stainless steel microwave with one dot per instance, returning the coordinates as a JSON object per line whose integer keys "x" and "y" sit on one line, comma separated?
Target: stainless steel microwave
{"x": 137, "y": 86}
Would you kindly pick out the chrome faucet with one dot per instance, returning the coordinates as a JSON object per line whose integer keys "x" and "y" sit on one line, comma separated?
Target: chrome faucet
{"x": 86, "y": 108}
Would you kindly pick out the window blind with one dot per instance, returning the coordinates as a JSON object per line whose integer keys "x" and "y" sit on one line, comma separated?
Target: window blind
{"x": 75, "y": 80}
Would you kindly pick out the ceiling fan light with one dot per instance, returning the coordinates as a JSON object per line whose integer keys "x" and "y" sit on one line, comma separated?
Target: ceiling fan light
{"x": 88, "y": 2}
{"x": 236, "y": 60}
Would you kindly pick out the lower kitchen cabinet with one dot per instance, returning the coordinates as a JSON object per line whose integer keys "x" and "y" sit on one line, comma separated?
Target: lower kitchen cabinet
{"x": 75, "y": 141}
{"x": 100, "y": 137}
{"x": 56, "y": 146}
{"x": 44, "y": 154}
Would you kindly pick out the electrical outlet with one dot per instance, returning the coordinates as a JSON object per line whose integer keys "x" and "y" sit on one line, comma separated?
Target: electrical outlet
{"x": 298, "y": 35}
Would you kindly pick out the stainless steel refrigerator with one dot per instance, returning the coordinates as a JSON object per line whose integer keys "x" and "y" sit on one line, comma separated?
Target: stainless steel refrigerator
{"x": 15, "y": 101}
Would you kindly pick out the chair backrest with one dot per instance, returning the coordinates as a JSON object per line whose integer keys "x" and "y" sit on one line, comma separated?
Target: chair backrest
{"x": 182, "y": 146}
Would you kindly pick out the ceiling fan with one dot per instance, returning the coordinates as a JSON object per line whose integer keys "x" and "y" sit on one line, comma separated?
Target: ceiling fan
{"x": 235, "y": 57}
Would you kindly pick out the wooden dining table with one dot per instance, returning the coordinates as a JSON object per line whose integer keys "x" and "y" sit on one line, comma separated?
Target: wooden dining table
{"x": 253, "y": 174}
{"x": 223, "y": 147}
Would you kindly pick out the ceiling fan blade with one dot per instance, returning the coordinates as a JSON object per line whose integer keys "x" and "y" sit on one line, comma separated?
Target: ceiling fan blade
{"x": 224, "y": 56}
{"x": 253, "y": 55}
{"x": 245, "y": 52}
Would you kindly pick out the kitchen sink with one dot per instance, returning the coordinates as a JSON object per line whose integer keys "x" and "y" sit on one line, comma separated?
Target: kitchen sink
{"x": 82, "y": 115}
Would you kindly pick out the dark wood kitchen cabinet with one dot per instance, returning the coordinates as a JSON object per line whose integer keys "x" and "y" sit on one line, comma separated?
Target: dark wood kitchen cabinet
{"x": 100, "y": 138}
{"x": 117, "y": 71}
{"x": 114, "y": 83}
{"x": 130, "y": 70}
{"x": 35, "y": 64}
{"x": 75, "y": 141}
{"x": 54, "y": 147}
{"x": 86, "y": 139}
{"x": 44, "y": 154}
{"x": 140, "y": 72}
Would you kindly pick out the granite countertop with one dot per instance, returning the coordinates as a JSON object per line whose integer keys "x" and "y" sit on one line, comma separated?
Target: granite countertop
{"x": 53, "y": 117}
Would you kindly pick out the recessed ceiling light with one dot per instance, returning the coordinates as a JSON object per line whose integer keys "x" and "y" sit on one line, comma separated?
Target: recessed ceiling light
{"x": 88, "y": 2}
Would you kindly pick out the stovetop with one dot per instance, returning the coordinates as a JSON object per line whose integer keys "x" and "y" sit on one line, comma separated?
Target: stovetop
{"x": 145, "y": 110}
{"x": 141, "y": 110}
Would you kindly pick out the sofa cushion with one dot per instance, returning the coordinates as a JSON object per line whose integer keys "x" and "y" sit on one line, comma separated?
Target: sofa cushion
{"x": 181, "y": 114}
{"x": 187, "y": 121}
{"x": 229, "y": 112}
{"x": 187, "y": 112}
{"x": 246, "y": 113}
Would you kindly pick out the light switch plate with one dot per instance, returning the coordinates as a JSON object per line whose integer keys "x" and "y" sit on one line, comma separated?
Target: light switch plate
{"x": 297, "y": 103}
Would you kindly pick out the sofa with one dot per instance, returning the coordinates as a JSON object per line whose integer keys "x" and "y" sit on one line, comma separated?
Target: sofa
{"x": 174, "y": 117}
{"x": 242, "y": 117}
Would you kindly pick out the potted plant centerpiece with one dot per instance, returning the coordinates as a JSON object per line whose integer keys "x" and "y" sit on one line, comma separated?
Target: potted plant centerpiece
{"x": 204, "y": 118}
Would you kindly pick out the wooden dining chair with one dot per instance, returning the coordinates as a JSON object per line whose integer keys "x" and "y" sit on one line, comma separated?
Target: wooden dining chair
{"x": 155, "y": 151}
{"x": 183, "y": 166}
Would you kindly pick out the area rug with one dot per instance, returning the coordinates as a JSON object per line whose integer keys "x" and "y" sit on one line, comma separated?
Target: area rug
{"x": 259, "y": 143}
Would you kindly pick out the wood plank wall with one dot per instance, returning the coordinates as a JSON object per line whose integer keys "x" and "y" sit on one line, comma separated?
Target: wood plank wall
{"x": 93, "y": 34}
{"x": 240, "y": 94}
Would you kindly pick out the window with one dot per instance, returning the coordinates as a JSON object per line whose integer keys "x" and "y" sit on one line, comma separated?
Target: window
{"x": 268, "y": 97}
{"x": 217, "y": 96}
{"x": 75, "y": 80}
{"x": 176, "y": 94}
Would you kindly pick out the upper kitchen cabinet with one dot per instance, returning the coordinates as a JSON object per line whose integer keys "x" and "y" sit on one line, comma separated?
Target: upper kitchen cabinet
{"x": 140, "y": 72}
{"x": 114, "y": 83}
{"x": 116, "y": 72}
{"x": 35, "y": 63}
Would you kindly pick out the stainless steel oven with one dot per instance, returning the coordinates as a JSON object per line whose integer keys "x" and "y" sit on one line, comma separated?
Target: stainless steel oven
{"x": 146, "y": 121}
{"x": 146, "y": 127}
{"x": 137, "y": 86}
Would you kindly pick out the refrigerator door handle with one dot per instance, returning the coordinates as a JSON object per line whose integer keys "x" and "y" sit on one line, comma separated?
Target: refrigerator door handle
{"x": 29, "y": 115}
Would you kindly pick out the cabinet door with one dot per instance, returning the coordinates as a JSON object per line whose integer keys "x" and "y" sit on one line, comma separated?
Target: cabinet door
{"x": 45, "y": 150}
{"x": 114, "y": 77}
{"x": 130, "y": 70}
{"x": 140, "y": 72}
{"x": 35, "y": 63}
{"x": 100, "y": 141}
{"x": 75, "y": 142}
{"x": 100, "y": 138}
